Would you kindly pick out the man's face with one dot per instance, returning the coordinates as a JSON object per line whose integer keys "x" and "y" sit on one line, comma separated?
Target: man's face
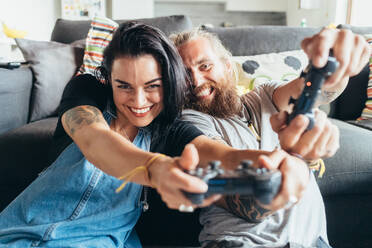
{"x": 213, "y": 90}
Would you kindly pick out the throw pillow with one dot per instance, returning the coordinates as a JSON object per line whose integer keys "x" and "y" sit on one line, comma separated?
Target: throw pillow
{"x": 53, "y": 65}
{"x": 254, "y": 70}
{"x": 99, "y": 36}
{"x": 367, "y": 111}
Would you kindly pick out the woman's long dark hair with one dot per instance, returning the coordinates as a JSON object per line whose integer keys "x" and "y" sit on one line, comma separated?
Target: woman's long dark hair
{"x": 135, "y": 39}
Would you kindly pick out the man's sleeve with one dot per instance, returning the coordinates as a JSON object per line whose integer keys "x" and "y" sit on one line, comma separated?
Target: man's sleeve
{"x": 203, "y": 122}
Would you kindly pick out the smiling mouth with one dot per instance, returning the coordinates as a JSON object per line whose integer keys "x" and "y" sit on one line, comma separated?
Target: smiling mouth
{"x": 140, "y": 111}
{"x": 204, "y": 92}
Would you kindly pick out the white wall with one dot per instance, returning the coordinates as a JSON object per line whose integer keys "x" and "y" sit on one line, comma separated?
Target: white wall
{"x": 256, "y": 5}
{"x": 132, "y": 9}
{"x": 37, "y": 17}
{"x": 330, "y": 11}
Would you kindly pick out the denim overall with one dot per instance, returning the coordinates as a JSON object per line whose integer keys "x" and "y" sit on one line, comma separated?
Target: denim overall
{"x": 74, "y": 204}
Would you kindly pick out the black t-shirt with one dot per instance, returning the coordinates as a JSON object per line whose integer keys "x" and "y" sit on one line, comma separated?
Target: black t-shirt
{"x": 87, "y": 90}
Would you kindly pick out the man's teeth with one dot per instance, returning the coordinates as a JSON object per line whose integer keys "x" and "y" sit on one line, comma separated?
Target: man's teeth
{"x": 204, "y": 92}
{"x": 140, "y": 111}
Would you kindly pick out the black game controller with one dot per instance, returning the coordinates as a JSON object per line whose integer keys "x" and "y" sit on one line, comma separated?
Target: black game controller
{"x": 245, "y": 180}
{"x": 314, "y": 79}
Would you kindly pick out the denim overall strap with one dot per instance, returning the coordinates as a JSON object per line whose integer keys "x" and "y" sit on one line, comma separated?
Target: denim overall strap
{"x": 74, "y": 204}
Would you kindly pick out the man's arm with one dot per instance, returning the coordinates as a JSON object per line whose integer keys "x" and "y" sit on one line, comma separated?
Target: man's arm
{"x": 351, "y": 51}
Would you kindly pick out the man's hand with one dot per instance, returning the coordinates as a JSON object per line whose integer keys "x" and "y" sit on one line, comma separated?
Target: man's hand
{"x": 295, "y": 177}
{"x": 169, "y": 179}
{"x": 320, "y": 142}
{"x": 351, "y": 51}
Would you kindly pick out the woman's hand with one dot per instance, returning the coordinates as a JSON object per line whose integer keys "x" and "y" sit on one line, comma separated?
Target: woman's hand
{"x": 321, "y": 141}
{"x": 169, "y": 179}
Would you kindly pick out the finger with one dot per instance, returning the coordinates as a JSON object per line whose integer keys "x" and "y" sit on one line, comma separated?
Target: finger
{"x": 318, "y": 46}
{"x": 189, "y": 158}
{"x": 208, "y": 201}
{"x": 292, "y": 133}
{"x": 180, "y": 180}
{"x": 356, "y": 56}
{"x": 307, "y": 142}
{"x": 320, "y": 148}
{"x": 333, "y": 143}
{"x": 342, "y": 52}
{"x": 271, "y": 161}
{"x": 365, "y": 56}
{"x": 278, "y": 120}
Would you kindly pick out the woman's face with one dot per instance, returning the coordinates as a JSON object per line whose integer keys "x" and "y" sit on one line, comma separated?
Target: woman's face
{"x": 137, "y": 89}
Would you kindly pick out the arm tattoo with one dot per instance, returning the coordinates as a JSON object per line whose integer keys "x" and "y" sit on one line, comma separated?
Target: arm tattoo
{"x": 78, "y": 117}
{"x": 246, "y": 207}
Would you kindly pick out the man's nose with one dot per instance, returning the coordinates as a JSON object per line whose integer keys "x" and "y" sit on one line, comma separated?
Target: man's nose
{"x": 139, "y": 98}
{"x": 197, "y": 78}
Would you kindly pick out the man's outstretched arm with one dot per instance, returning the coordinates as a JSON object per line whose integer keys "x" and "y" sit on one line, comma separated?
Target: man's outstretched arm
{"x": 351, "y": 51}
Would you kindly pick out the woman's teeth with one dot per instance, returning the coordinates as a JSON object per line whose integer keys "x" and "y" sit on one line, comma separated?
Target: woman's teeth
{"x": 140, "y": 111}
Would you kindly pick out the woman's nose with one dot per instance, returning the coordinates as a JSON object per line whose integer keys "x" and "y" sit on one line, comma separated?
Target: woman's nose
{"x": 139, "y": 98}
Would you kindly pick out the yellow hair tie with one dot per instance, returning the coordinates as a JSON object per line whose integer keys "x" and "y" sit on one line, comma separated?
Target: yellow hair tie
{"x": 128, "y": 176}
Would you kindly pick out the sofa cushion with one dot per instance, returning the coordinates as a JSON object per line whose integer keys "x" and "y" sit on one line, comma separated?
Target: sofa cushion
{"x": 99, "y": 36}
{"x": 15, "y": 93}
{"x": 67, "y": 31}
{"x": 53, "y": 65}
{"x": 253, "y": 40}
{"x": 257, "y": 69}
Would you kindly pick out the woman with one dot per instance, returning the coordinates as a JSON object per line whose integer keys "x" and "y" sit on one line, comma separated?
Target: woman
{"x": 73, "y": 202}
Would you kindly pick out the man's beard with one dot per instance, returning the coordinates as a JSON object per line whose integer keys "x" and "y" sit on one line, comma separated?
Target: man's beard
{"x": 225, "y": 103}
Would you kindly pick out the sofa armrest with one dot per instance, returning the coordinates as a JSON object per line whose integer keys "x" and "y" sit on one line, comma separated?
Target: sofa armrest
{"x": 15, "y": 93}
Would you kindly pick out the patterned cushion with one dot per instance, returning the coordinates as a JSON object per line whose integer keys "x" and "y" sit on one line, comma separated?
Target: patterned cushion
{"x": 254, "y": 70}
{"x": 367, "y": 111}
{"x": 99, "y": 35}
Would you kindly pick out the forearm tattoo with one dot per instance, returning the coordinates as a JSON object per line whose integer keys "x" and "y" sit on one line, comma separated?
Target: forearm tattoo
{"x": 246, "y": 207}
{"x": 81, "y": 116}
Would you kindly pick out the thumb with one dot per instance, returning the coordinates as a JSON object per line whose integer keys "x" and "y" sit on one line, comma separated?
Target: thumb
{"x": 278, "y": 120}
{"x": 189, "y": 158}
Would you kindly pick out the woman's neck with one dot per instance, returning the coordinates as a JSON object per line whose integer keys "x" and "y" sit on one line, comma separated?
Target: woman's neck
{"x": 123, "y": 127}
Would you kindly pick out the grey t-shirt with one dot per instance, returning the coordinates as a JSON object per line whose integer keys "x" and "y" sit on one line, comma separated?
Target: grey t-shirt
{"x": 302, "y": 224}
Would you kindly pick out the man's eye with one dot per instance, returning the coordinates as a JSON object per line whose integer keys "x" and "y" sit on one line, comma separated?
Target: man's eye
{"x": 205, "y": 66}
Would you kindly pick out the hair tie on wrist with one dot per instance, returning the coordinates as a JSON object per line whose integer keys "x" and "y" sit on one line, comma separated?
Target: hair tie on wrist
{"x": 129, "y": 175}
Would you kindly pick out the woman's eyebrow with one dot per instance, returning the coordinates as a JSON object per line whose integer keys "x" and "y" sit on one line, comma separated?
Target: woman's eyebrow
{"x": 153, "y": 80}
{"x": 149, "y": 82}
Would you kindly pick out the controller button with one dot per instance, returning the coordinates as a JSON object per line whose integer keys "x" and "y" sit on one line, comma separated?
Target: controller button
{"x": 246, "y": 164}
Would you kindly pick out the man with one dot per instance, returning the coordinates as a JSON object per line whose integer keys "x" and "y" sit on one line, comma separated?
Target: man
{"x": 242, "y": 122}
{"x": 292, "y": 138}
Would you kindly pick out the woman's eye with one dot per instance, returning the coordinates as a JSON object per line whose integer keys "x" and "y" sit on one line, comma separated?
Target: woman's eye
{"x": 153, "y": 86}
{"x": 123, "y": 86}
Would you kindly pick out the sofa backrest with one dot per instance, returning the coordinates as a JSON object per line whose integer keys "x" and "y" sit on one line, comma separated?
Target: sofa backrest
{"x": 67, "y": 31}
{"x": 253, "y": 40}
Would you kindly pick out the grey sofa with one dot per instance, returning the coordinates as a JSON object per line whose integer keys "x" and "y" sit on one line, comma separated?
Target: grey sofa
{"x": 346, "y": 186}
